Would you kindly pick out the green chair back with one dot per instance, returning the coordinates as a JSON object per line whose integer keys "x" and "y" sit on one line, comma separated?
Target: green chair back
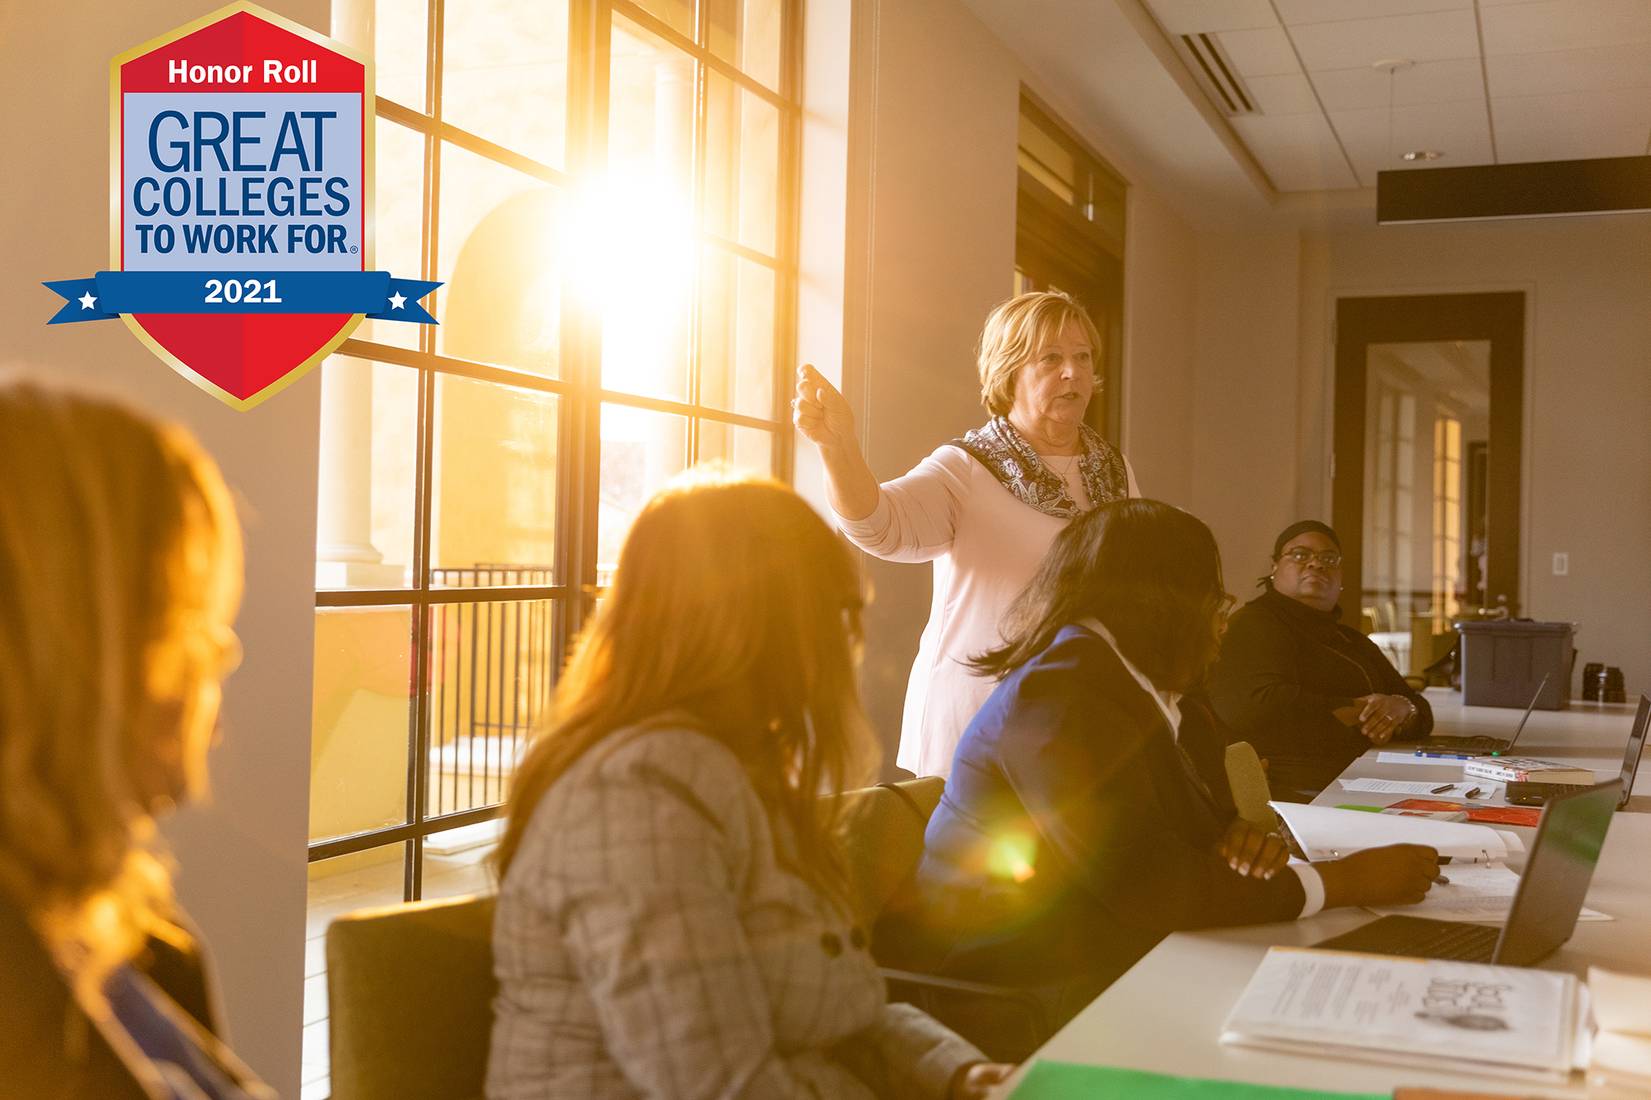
{"x": 883, "y": 838}
{"x": 410, "y": 1000}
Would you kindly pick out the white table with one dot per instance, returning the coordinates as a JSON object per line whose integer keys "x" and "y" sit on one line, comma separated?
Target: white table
{"x": 1165, "y": 1014}
{"x": 1589, "y": 735}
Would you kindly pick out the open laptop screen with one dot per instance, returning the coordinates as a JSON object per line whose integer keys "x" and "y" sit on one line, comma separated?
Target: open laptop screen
{"x": 1557, "y": 874}
{"x": 1636, "y": 746}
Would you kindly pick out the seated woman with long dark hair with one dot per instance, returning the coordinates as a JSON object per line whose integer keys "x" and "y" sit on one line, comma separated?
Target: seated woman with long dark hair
{"x": 674, "y": 917}
{"x": 1076, "y": 830}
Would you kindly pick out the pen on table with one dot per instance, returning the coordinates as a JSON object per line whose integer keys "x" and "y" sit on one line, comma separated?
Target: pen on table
{"x": 1443, "y": 789}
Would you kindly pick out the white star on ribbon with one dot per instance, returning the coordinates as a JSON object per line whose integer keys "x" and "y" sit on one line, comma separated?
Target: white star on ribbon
{"x": 397, "y": 300}
{"x": 87, "y": 299}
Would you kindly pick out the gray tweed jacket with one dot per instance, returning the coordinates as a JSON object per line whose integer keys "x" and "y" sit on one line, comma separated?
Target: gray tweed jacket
{"x": 648, "y": 943}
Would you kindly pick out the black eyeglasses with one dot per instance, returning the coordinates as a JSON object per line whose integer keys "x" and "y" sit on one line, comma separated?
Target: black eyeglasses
{"x": 1301, "y": 556}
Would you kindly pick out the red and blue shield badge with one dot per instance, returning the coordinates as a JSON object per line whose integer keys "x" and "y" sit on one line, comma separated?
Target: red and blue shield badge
{"x": 240, "y": 169}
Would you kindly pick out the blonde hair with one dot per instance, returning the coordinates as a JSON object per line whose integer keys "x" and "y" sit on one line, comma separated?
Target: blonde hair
{"x": 1015, "y": 332}
{"x": 735, "y": 603}
{"x": 116, "y": 535}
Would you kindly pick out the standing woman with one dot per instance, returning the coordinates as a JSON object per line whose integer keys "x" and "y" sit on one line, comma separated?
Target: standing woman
{"x": 983, "y": 508}
{"x": 1308, "y": 691}
{"x": 120, "y": 572}
{"x": 673, "y": 921}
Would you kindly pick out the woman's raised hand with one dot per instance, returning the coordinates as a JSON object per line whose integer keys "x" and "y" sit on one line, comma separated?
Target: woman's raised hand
{"x": 820, "y": 412}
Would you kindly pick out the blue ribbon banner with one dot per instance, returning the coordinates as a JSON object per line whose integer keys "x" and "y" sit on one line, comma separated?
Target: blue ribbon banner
{"x": 111, "y": 293}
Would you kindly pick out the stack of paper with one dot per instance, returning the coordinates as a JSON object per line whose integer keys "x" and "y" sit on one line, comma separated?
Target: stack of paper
{"x": 1621, "y": 1064}
{"x": 1465, "y": 1017}
{"x": 1326, "y": 832}
{"x": 1525, "y": 769}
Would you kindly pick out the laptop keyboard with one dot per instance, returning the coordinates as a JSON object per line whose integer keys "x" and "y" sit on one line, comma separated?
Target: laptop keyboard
{"x": 1419, "y": 937}
{"x": 1480, "y": 744}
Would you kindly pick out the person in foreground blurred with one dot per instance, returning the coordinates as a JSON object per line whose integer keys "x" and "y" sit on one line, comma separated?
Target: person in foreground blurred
{"x": 120, "y": 573}
{"x": 983, "y": 508}
{"x": 1077, "y": 830}
{"x": 672, "y": 920}
{"x": 1310, "y": 693}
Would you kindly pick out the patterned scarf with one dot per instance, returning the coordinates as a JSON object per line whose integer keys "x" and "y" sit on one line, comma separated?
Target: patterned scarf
{"x": 998, "y": 447}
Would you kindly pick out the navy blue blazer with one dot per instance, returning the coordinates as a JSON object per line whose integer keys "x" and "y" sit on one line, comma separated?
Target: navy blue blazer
{"x": 1074, "y": 833}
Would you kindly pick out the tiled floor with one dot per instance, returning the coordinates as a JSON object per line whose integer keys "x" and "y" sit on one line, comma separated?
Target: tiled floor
{"x": 330, "y": 896}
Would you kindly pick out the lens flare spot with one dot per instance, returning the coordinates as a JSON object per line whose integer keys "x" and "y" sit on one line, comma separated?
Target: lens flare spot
{"x": 1012, "y": 857}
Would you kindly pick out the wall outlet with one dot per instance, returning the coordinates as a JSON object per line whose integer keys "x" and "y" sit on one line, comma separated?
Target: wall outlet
{"x": 1562, "y": 564}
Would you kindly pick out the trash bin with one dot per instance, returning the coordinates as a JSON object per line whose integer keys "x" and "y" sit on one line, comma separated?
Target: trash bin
{"x": 1504, "y": 659}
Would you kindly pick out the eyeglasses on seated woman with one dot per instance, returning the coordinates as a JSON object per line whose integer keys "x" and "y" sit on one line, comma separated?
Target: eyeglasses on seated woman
{"x": 673, "y": 918}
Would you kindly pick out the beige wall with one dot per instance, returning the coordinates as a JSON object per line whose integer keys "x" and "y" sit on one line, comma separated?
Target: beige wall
{"x": 242, "y": 855}
{"x": 1244, "y": 446}
{"x": 937, "y": 161}
{"x": 1160, "y": 346}
{"x": 1587, "y": 460}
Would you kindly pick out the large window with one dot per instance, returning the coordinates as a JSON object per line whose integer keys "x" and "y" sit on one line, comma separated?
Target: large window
{"x": 1069, "y": 235}
{"x": 607, "y": 191}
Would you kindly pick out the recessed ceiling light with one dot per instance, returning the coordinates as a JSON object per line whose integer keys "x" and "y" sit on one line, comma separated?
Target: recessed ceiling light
{"x": 1423, "y": 154}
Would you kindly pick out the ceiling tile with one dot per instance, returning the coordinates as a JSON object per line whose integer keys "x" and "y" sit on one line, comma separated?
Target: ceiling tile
{"x": 1426, "y": 82}
{"x": 1359, "y": 43}
{"x": 1574, "y": 126}
{"x": 1208, "y": 16}
{"x": 1602, "y": 68}
{"x": 1260, "y": 52}
{"x": 1295, "y": 12}
{"x": 1298, "y": 152}
{"x": 1285, "y": 94}
{"x": 1565, "y": 25}
{"x": 1459, "y": 130}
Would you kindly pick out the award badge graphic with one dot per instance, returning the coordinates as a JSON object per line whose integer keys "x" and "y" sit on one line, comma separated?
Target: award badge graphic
{"x": 240, "y": 174}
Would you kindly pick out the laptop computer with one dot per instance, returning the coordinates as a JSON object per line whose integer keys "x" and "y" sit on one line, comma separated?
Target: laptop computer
{"x": 1535, "y": 794}
{"x": 1479, "y": 744}
{"x": 1545, "y": 907}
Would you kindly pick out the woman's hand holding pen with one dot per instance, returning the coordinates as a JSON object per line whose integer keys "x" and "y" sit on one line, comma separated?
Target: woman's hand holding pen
{"x": 1399, "y": 874}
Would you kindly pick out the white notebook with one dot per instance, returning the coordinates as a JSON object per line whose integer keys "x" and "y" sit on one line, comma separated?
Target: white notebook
{"x": 1324, "y": 832}
{"x": 1465, "y": 1017}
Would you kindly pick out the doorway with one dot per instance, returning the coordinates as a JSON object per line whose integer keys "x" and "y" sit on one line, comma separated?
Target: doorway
{"x": 1425, "y": 471}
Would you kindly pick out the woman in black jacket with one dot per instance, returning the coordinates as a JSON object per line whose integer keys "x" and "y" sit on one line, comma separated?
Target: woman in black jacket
{"x": 1083, "y": 821}
{"x": 1308, "y": 692}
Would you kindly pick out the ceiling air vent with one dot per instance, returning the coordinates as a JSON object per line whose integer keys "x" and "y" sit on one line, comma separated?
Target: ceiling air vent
{"x": 1218, "y": 75}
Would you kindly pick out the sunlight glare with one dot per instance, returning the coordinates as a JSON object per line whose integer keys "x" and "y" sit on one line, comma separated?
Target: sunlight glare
{"x": 633, "y": 266}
